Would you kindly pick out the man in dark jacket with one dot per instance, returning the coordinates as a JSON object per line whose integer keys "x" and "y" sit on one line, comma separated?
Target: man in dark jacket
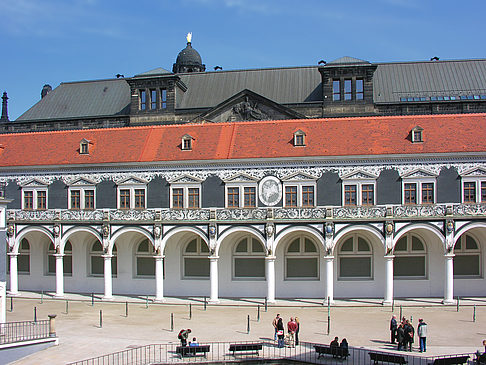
{"x": 393, "y": 328}
{"x": 400, "y": 337}
{"x": 409, "y": 332}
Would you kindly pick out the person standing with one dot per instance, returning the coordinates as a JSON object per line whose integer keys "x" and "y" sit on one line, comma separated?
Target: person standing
{"x": 400, "y": 337}
{"x": 183, "y": 335}
{"x": 274, "y": 323}
{"x": 280, "y": 333}
{"x": 393, "y": 328}
{"x": 291, "y": 328}
{"x": 422, "y": 334}
{"x": 409, "y": 333}
{"x": 297, "y": 331}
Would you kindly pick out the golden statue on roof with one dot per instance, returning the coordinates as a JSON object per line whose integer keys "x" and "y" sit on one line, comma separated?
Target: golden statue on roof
{"x": 189, "y": 37}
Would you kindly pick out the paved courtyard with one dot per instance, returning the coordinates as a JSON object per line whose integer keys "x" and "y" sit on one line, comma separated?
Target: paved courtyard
{"x": 363, "y": 322}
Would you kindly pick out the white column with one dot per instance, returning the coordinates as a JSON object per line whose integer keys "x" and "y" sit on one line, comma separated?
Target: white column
{"x": 329, "y": 279}
{"x": 449, "y": 279}
{"x": 213, "y": 276}
{"x": 159, "y": 278}
{"x": 388, "y": 299}
{"x": 108, "y": 277}
{"x": 14, "y": 283}
{"x": 270, "y": 274}
{"x": 59, "y": 275}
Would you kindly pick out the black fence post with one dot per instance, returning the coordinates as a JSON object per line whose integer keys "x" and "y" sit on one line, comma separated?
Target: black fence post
{"x": 92, "y": 299}
{"x": 172, "y": 322}
{"x": 146, "y": 301}
{"x": 248, "y": 325}
{"x": 328, "y": 315}
{"x": 393, "y": 305}
{"x": 101, "y": 318}
{"x": 67, "y": 307}
{"x": 205, "y": 303}
{"x": 474, "y": 313}
{"x": 11, "y": 304}
{"x": 266, "y": 307}
{"x": 190, "y": 310}
{"x": 42, "y": 296}
{"x": 258, "y": 316}
{"x": 457, "y": 301}
{"x": 35, "y": 314}
{"x": 401, "y": 313}
{"x": 126, "y": 309}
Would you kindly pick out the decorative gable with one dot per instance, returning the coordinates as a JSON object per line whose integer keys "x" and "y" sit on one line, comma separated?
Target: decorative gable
{"x": 474, "y": 172}
{"x": 34, "y": 183}
{"x": 84, "y": 146}
{"x": 417, "y": 134}
{"x": 186, "y": 179}
{"x": 240, "y": 178}
{"x": 132, "y": 181}
{"x": 299, "y": 176}
{"x": 82, "y": 182}
{"x": 418, "y": 173}
{"x": 359, "y": 175}
{"x": 299, "y": 138}
{"x": 186, "y": 144}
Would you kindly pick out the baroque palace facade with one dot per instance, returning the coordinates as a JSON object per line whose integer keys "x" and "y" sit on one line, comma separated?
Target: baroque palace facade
{"x": 346, "y": 179}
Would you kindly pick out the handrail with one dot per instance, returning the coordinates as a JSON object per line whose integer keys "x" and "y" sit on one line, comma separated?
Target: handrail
{"x": 12, "y": 332}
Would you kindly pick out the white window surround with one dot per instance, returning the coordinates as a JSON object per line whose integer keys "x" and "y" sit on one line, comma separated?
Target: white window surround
{"x": 82, "y": 200}
{"x": 410, "y": 253}
{"x": 248, "y": 254}
{"x": 461, "y": 249}
{"x": 299, "y": 138}
{"x": 302, "y": 254}
{"x": 185, "y": 183}
{"x": 241, "y": 181}
{"x": 187, "y": 142}
{"x": 201, "y": 253}
{"x": 356, "y": 252}
{"x": 358, "y": 178}
{"x": 131, "y": 184}
{"x": 419, "y": 177}
{"x": 299, "y": 180}
{"x": 34, "y": 186}
{"x": 417, "y": 134}
{"x": 476, "y": 175}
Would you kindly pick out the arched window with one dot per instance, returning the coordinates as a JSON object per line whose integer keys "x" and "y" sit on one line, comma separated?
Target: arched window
{"x": 467, "y": 259}
{"x": 195, "y": 258}
{"x": 302, "y": 259}
{"x": 249, "y": 259}
{"x": 145, "y": 259}
{"x": 23, "y": 259}
{"x": 67, "y": 259}
{"x": 410, "y": 257}
{"x": 355, "y": 258}
{"x": 97, "y": 266}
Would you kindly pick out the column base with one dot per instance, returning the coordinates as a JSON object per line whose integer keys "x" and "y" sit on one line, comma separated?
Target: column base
{"x": 160, "y": 300}
{"x": 13, "y": 294}
{"x": 387, "y": 302}
{"x": 107, "y": 298}
{"x": 448, "y": 301}
{"x": 213, "y": 301}
{"x": 271, "y": 301}
{"x": 58, "y": 296}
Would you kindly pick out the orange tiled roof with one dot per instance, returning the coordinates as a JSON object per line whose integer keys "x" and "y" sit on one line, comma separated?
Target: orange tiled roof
{"x": 249, "y": 140}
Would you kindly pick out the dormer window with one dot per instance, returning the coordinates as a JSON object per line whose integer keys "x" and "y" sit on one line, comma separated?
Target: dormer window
{"x": 84, "y": 147}
{"x": 417, "y": 134}
{"x": 299, "y": 138}
{"x": 187, "y": 142}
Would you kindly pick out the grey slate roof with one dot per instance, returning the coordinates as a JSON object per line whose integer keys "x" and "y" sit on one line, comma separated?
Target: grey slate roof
{"x": 346, "y": 60}
{"x": 281, "y": 85}
{"x": 155, "y": 71}
{"x": 82, "y": 99}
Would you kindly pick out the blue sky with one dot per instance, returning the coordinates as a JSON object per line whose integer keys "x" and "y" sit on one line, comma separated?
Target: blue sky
{"x": 52, "y": 41}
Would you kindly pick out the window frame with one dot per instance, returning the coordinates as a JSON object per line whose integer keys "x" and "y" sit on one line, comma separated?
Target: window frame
{"x": 248, "y": 254}
{"x": 480, "y": 184}
{"x": 302, "y": 254}
{"x": 131, "y": 187}
{"x": 299, "y": 185}
{"x": 464, "y": 251}
{"x": 410, "y": 253}
{"x": 419, "y": 185}
{"x": 199, "y": 254}
{"x": 82, "y": 196}
{"x": 35, "y": 197}
{"x": 144, "y": 255}
{"x": 185, "y": 194}
{"x": 359, "y": 183}
{"x": 355, "y": 253}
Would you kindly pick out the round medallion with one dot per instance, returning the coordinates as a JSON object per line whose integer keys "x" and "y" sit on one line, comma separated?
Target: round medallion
{"x": 270, "y": 190}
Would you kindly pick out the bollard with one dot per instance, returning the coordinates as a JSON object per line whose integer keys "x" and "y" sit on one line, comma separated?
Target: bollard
{"x": 411, "y": 319}
{"x": 258, "y": 315}
{"x": 393, "y": 305}
{"x": 457, "y": 303}
{"x": 172, "y": 322}
{"x": 101, "y": 318}
{"x": 474, "y": 313}
{"x": 266, "y": 304}
{"x": 328, "y": 315}
{"x": 401, "y": 313}
{"x": 42, "y": 296}
{"x": 11, "y": 304}
{"x": 35, "y": 314}
{"x": 248, "y": 325}
{"x": 190, "y": 310}
{"x": 205, "y": 301}
{"x": 67, "y": 307}
{"x": 146, "y": 301}
{"x": 126, "y": 309}
{"x": 52, "y": 325}
{"x": 92, "y": 299}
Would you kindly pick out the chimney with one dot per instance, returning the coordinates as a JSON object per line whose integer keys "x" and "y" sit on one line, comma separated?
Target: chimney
{"x": 4, "y": 117}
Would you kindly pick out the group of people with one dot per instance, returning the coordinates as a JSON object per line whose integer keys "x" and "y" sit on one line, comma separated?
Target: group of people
{"x": 184, "y": 335}
{"x": 403, "y": 334}
{"x": 343, "y": 346}
{"x": 293, "y": 326}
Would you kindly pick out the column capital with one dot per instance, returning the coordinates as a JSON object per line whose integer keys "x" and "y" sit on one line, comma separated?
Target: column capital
{"x": 329, "y": 258}
{"x": 107, "y": 256}
{"x": 213, "y": 258}
{"x": 13, "y": 254}
{"x": 159, "y": 257}
{"x": 58, "y": 255}
{"x": 389, "y": 257}
{"x": 449, "y": 255}
{"x": 270, "y": 258}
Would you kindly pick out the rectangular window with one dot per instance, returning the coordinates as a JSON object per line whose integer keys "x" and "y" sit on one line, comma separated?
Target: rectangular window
{"x": 410, "y": 193}
{"x": 307, "y": 196}
{"x": 302, "y": 267}
{"x": 483, "y": 192}
{"x": 336, "y": 90}
{"x": 163, "y": 99}
{"x": 367, "y": 194}
{"x": 347, "y": 89}
{"x": 193, "y": 198}
{"x": 28, "y": 200}
{"x": 350, "y": 195}
{"x": 427, "y": 193}
{"x": 250, "y": 197}
{"x": 196, "y": 267}
{"x": 89, "y": 199}
{"x": 359, "y": 89}
{"x": 177, "y": 198}
{"x": 139, "y": 198}
{"x": 75, "y": 199}
{"x": 153, "y": 99}
{"x": 413, "y": 266}
{"x": 233, "y": 197}
{"x": 249, "y": 267}
{"x": 469, "y": 192}
{"x": 291, "y": 196}
{"x": 143, "y": 100}
{"x": 355, "y": 267}
{"x": 125, "y": 199}
{"x": 41, "y": 200}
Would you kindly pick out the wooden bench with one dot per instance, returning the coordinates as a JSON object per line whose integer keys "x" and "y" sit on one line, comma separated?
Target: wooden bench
{"x": 334, "y": 351}
{"x": 480, "y": 358}
{"x": 245, "y": 347}
{"x": 451, "y": 360}
{"x": 192, "y": 350}
{"x": 388, "y": 358}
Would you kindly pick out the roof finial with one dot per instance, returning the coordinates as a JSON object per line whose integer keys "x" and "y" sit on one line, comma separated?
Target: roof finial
{"x": 4, "y": 117}
{"x": 189, "y": 37}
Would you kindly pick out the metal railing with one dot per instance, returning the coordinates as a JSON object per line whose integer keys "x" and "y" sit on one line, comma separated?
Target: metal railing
{"x": 305, "y": 352}
{"x": 12, "y": 332}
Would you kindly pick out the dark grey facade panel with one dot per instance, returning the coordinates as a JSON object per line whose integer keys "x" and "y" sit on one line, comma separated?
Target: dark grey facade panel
{"x": 448, "y": 186}
{"x": 388, "y": 187}
{"x": 57, "y": 195}
{"x": 329, "y": 189}
{"x": 106, "y": 195}
{"x": 158, "y": 193}
{"x": 212, "y": 192}
{"x": 3, "y": 257}
{"x": 14, "y": 192}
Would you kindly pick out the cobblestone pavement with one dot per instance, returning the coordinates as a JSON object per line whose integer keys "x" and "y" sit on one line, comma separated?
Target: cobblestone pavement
{"x": 363, "y": 322}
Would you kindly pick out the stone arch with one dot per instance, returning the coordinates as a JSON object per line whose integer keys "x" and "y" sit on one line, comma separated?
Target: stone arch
{"x": 178, "y": 230}
{"x": 27, "y": 230}
{"x": 466, "y": 228}
{"x": 239, "y": 229}
{"x": 74, "y": 230}
{"x": 373, "y": 231}
{"x": 124, "y": 230}
{"x": 415, "y": 226}
{"x": 284, "y": 234}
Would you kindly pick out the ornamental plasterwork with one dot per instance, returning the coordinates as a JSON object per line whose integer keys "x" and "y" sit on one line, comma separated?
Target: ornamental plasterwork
{"x": 418, "y": 173}
{"x": 81, "y": 215}
{"x": 132, "y": 215}
{"x": 407, "y": 211}
{"x": 474, "y": 172}
{"x": 241, "y": 214}
{"x": 186, "y": 179}
{"x": 470, "y": 209}
{"x": 358, "y": 212}
{"x": 299, "y": 176}
{"x": 241, "y": 178}
{"x": 359, "y": 175}
{"x": 80, "y": 181}
{"x": 185, "y": 214}
{"x": 132, "y": 180}
{"x": 300, "y": 213}
{"x": 37, "y": 182}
